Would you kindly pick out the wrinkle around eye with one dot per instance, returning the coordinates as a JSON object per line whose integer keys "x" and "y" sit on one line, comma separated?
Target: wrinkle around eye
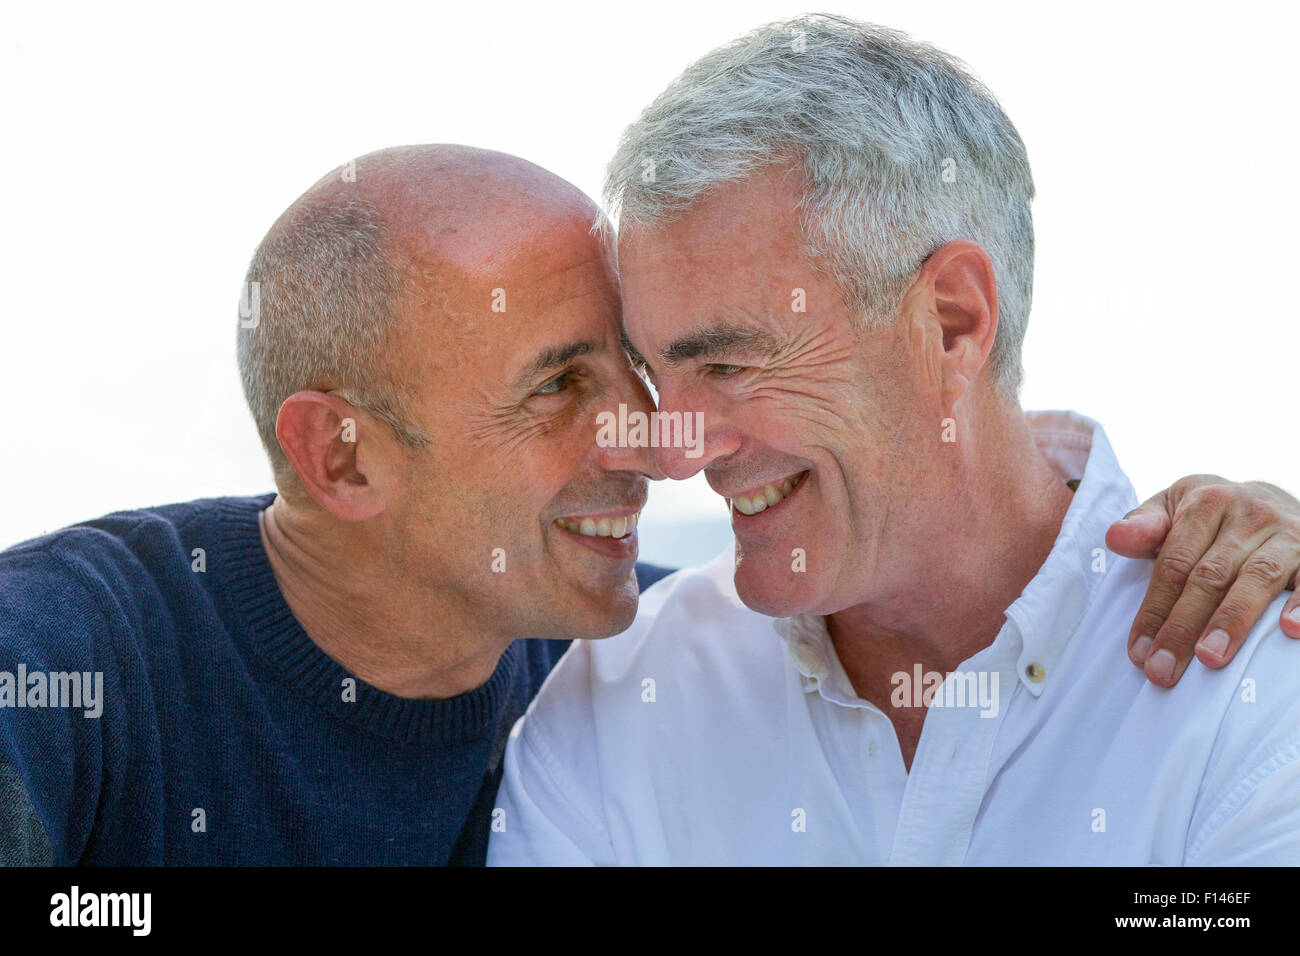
{"x": 506, "y": 432}
{"x": 822, "y": 405}
{"x": 537, "y": 415}
{"x": 513, "y": 426}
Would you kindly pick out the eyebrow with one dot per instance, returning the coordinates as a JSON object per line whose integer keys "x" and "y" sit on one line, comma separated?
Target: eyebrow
{"x": 553, "y": 358}
{"x": 719, "y": 340}
{"x": 631, "y": 350}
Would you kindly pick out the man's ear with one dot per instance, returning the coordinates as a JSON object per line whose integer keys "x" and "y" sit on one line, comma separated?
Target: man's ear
{"x": 957, "y": 291}
{"x": 324, "y": 439}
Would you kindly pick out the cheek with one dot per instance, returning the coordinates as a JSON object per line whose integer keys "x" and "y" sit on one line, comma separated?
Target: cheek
{"x": 522, "y": 489}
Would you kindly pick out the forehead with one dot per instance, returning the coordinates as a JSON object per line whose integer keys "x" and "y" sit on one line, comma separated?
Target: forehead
{"x": 489, "y": 314}
{"x": 739, "y": 249}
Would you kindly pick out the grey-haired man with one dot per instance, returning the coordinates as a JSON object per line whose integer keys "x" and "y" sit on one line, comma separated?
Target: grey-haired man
{"x": 914, "y": 655}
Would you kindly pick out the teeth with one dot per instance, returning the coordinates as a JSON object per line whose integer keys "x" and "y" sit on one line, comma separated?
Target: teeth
{"x": 770, "y": 495}
{"x": 604, "y": 528}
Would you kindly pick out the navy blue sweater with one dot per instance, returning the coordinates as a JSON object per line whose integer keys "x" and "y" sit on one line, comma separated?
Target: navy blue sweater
{"x": 225, "y": 736}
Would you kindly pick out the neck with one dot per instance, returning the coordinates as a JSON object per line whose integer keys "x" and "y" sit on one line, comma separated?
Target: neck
{"x": 358, "y": 608}
{"x": 992, "y": 532}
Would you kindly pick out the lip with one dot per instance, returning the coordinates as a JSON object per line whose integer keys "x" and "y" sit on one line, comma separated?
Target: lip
{"x": 756, "y": 489}
{"x": 622, "y": 549}
{"x": 622, "y": 512}
{"x": 740, "y": 518}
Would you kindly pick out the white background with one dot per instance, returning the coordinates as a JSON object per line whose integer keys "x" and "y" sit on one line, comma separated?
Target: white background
{"x": 148, "y": 149}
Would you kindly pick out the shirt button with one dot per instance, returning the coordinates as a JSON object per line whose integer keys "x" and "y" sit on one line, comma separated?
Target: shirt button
{"x": 1035, "y": 672}
{"x": 807, "y": 659}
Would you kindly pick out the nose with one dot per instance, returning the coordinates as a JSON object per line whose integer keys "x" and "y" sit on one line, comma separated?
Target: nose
{"x": 689, "y": 441}
{"x": 631, "y": 401}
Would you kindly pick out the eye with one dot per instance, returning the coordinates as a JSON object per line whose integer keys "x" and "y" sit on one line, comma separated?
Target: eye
{"x": 557, "y": 384}
{"x": 725, "y": 370}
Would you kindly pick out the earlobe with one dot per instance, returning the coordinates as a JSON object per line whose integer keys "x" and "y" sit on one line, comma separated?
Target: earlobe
{"x": 321, "y": 435}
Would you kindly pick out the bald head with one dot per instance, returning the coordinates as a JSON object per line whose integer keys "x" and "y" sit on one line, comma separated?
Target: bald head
{"x": 354, "y": 260}
{"x": 457, "y": 204}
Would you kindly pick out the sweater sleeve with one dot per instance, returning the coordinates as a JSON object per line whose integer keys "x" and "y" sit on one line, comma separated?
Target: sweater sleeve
{"x": 51, "y": 757}
{"x": 22, "y": 835}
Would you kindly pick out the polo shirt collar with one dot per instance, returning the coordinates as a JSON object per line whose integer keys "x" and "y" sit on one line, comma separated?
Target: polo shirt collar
{"x": 1049, "y": 610}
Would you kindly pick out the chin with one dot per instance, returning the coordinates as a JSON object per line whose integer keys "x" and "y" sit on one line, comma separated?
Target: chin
{"x": 778, "y": 594}
{"x": 612, "y": 613}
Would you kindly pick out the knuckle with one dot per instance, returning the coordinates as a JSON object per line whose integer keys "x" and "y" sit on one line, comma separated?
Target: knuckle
{"x": 1258, "y": 513}
{"x": 1175, "y": 566}
{"x": 1289, "y": 541}
{"x": 1211, "y": 574}
{"x": 1267, "y": 570}
{"x": 1189, "y": 483}
{"x": 1210, "y": 497}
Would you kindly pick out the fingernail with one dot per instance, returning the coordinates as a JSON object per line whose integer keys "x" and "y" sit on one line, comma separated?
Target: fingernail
{"x": 1214, "y": 643}
{"x": 1294, "y": 614}
{"x": 1161, "y": 665}
{"x": 1141, "y": 648}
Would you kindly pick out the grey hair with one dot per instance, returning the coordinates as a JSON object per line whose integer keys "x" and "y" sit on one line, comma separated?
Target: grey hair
{"x": 318, "y": 307}
{"x": 902, "y": 149}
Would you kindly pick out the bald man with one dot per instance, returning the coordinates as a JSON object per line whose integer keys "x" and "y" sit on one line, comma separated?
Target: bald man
{"x": 327, "y": 675}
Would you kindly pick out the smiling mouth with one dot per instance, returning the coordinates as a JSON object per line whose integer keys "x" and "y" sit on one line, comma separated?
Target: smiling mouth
{"x": 600, "y": 527}
{"x": 760, "y": 499}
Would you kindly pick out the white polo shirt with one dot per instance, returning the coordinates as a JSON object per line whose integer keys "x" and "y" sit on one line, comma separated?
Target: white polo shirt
{"x": 710, "y": 734}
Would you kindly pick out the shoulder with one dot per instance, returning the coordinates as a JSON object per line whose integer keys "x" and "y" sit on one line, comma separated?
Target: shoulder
{"x": 135, "y": 536}
{"x": 692, "y": 639}
{"x": 1261, "y": 720}
{"x": 685, "y": 614}
{"x": 1248, "y": 807}
{"x": 611, "y": 708}
{"x": 99, "y": 572}
{"x": 1252, "y": 702}
{"x": 55, "y": 597}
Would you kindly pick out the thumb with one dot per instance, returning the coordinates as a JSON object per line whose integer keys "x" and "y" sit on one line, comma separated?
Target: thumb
{"x": 1140, "y": 533}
